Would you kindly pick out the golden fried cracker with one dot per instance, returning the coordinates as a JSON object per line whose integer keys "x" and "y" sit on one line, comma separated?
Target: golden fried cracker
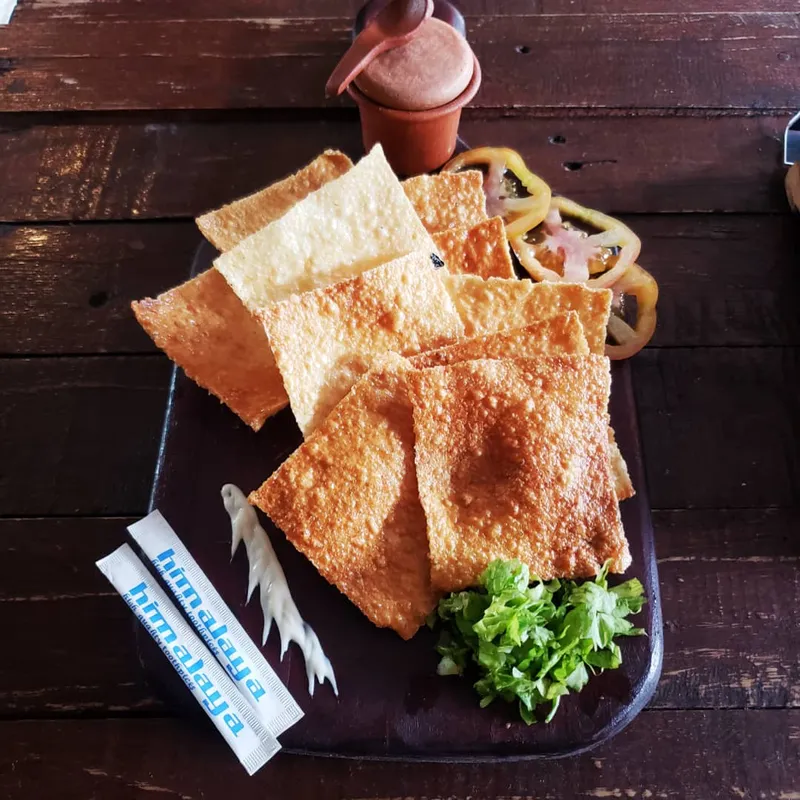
{"x": 204, "y": 328}
{"x": 512, "y": 462}
{"x": 622, "y": 479}
{"x": 592, "y": 306}
{"x": 325, "y": 340}
{"x": 489, "y": 305}
{"x": 352, "y": 224}
{"x": 560, "y": 334}
{"x": 225, "y": 227}
{"x": 347, "y": 499}
{"x": 447, "y": 200}
{"x": 480, "y": 250}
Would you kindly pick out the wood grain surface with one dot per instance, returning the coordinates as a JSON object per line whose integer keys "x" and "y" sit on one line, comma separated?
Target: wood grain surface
{"x": 69, "y": 288}
{"x": 79, "y": 435}
{"x": 121, "y": 120}
{"x": 655, "y": 60}
{"x": 112, "y": 168}
{"x": 95, "y": 759}
{"x": 44, "y": 10}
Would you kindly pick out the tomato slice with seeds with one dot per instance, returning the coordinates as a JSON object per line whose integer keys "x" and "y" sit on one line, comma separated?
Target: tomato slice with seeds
{"x": 512, "y": 191}
{"x": 557, "y": 239}
{"x": 627, "y": 340}
{"x": 559, "y": 250}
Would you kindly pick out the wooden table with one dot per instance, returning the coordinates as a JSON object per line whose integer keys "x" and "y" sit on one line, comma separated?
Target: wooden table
{"x": 122, "y": 120}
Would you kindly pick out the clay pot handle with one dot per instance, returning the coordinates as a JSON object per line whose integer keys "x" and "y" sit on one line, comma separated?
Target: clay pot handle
{"x": 392, "y": 27}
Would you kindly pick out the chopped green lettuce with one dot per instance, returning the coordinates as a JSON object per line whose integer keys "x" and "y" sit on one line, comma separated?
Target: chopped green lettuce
{"x": 534, "y": 642}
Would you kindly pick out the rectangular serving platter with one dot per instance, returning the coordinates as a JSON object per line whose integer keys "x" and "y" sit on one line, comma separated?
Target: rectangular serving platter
{"x": 391, "y": 704}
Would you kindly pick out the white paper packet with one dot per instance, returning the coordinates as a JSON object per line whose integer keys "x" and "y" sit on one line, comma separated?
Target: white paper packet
{"x": 6, "y": 10}
{"x": 241, "y": 728}
{"x": 216, "y": 623}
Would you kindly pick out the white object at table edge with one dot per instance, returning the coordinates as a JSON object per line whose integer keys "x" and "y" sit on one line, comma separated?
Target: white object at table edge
{"x": 6, "y": 10}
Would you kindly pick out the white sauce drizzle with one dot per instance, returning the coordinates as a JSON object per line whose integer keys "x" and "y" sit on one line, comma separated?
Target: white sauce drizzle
{"x": 276, "y": 599}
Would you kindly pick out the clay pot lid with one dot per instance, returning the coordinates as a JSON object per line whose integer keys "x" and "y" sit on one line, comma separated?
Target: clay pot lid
{"x": 429, "y": 71}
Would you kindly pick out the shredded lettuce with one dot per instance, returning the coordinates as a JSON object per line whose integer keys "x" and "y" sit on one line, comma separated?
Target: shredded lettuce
{"x": 532, "y": 641}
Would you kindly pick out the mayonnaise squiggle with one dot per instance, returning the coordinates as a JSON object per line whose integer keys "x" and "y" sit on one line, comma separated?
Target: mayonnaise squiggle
{"x": 276, "y": 598}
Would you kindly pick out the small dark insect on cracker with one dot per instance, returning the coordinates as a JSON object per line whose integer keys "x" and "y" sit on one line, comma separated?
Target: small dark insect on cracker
{"x": 437, "y": 262}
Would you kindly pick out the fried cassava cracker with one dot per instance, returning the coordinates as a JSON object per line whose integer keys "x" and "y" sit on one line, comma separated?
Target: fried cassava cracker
{"x": 512, "y": 462}
{"x": 325, "y": 340}
{"x": 447, "y": 200}
{"x": 560, "y": 334}
{"x": 489, "y": 305}
{"x": 204, "y": 328}
{"x": 347, "y": 499}
{"x": 481, "y": 250}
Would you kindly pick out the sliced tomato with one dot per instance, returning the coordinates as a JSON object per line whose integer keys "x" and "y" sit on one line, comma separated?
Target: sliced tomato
{"x": 512, "y": 191}
{"x": 629, "y": 340}
{"x": 555, "y": 250}
{"x": 551, "y": 247}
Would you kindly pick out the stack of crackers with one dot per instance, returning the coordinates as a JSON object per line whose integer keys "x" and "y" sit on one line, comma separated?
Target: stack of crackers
{"x": 452, "y": 413}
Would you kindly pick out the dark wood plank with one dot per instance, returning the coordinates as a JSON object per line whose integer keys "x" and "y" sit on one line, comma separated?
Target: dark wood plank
{"x": 723, "y": 60}
{"x": 123, "y": 168}
{"x": 730, "y": 600}
{"x": 135, "y": 170}
{"x": 719, "y": 426}
{"x": 67, "y": 289}
{"x": 725, "y": 280}
{"x": 49, "y": 581}
{"x": 51, "y": 560}
{"x": 68, "y": 683}
{"x": 722, "y": 754}
{"x": 79, "y": 435}
{"x": 633, "y": 163}
{"x": 43, "y": 10}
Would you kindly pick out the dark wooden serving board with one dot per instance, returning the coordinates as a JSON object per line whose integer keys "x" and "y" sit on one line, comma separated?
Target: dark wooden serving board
{"x": 391, "y": 703}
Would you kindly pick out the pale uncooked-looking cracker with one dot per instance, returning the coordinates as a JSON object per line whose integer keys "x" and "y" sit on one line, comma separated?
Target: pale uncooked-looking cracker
{"x": 351, "y": 224}
{"x": 512, "y": 462}
{"x": 348, "y": 500}
{"x": 204, "y": 328}
{"x": 480, "y": 250}
{"x": 561, "y": 334}
{"x": 447, "y": 200}
{"x": 325, "y": 340}
{"x": 489, "y": 305}
{"x": 225, "y": 227}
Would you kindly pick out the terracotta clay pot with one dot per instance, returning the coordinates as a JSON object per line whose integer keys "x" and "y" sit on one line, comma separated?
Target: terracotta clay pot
{"x": 414, "y": 141}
